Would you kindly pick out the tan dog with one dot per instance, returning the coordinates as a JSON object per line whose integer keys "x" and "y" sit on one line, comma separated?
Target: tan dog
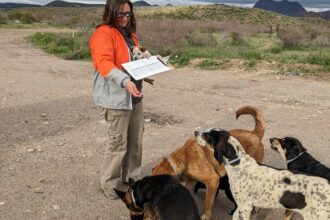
{"x": 193, "y": 162}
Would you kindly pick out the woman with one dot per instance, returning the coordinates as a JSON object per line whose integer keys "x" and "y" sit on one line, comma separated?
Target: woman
{"x": 119, "y": 94}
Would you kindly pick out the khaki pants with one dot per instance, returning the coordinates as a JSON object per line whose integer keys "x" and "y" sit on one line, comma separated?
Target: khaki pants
{"x": 123, "y": 155}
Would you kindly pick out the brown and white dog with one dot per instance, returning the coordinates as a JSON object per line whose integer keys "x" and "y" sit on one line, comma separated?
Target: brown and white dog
{"x": 265, "y": 187}
{"x": 194, "y": 162}
{"x": 141, "y": 53}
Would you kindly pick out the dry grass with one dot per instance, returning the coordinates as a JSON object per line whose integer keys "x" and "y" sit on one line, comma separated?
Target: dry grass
{"x": 212, "y": 33}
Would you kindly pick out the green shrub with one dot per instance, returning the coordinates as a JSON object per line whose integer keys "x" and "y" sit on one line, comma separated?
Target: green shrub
{"x": 250, "y": 55}
{"x": 181, "y": 60}
{"x": 318, "y": 59}
{"x": 200, "y": 39}
{"x": 67, "y": 45}
{"x": 236, "y": 39}
{"x": 292, "y": 38}
{"x": 251, "y": 64}
{"x": 3, "y": 19}
{"x": 275, "y": 50}
{"x": 27, "y": 18}
{"x": 43, "y": 39}
{"x": 326, "y": 68}
{"x": 210, "y": 64}
{"x": 81, "y": 54}
{"x": 23, "y": 17}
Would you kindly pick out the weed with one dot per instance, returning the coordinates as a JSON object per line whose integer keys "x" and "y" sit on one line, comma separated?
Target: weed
{"x": 236, "y": 39}
{"x": 319, "y": 59}
{"x": 210, "y": 64}
{"x": 275, "y": 50}
{"x": 250, "y": 55}
{"x": 250, "y": 64}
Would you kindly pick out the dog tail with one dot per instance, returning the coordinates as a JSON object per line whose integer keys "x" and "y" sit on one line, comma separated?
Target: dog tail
{"x": 259, "y": 129}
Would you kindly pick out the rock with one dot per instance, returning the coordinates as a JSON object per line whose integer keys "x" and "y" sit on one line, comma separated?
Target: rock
{"x": 56, "y": 207}
{"x": 147, "y": 120}
{"x": 38, "y": 190}
{"x": 30, "y": 150}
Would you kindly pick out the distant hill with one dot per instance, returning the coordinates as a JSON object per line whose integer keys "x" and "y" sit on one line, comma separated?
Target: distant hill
{"x": 17, "y": 5}
{"x": 283, "y": 7}
{"x": 59, "y": 3}
{"x": 325, "y": 15}
{"x": 141, "y": 3}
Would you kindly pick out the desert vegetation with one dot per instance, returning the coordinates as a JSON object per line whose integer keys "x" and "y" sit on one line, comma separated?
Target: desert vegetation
{"x": 208, "y": 37}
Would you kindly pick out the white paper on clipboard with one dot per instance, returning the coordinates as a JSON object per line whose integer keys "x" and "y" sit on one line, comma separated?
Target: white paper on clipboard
{"x": 143, "y": 68}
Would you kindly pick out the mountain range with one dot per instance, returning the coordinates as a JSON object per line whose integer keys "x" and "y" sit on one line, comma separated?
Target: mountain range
{"x": 60, "y": 3}
{"x": 284, "y": 7}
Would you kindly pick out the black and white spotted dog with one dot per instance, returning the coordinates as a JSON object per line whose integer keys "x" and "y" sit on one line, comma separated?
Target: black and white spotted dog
{"x": 265, "y": 187}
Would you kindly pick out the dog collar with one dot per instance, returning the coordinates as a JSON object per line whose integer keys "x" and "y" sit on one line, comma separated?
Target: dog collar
{"x": 173, "y": 166}
{"x": 230, "y": 162}
{"x": 132, "y": 195}
{"x": 289, "y": 161}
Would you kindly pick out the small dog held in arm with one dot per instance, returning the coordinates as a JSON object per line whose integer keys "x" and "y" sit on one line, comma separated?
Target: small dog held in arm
{"x": 141, "y": 53}
{"x": 160, "y": 197}
{"x": 194, "y": 162}
{"x": 298, "y": 159}
{"x": 265, "y": 187}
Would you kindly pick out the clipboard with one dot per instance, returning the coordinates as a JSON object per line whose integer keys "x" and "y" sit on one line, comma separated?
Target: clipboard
{"x": 145, "y": 67}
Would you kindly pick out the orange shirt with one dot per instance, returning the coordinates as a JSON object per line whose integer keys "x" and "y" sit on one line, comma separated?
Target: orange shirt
{"x": 109, "y": 49}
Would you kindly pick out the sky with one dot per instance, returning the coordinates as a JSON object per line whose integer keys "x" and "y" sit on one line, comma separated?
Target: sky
{"x": 309, "y": 5}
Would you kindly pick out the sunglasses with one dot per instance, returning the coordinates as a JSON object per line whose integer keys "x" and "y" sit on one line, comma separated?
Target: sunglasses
{"x": 124, "y": 14}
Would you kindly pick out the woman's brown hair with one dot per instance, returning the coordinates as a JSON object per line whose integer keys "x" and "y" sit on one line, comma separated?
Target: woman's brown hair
{"x": 110, "y": 14}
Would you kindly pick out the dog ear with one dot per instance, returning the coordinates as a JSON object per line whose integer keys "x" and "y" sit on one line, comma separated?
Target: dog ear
{"x": 131, "y": 182}
{"x": 143, "y": 49}
{"x": 121, "y": 194}
{"x": 218, "y": 155}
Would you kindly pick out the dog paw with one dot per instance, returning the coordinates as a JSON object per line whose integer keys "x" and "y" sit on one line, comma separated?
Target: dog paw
{"x": 205, "y": 217}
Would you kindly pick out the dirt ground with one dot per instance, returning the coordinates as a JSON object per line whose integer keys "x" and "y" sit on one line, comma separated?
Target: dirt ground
{"x": 52, "y": 136}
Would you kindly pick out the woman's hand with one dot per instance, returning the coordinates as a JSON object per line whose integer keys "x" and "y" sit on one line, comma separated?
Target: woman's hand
{"x": 131, "y": 89}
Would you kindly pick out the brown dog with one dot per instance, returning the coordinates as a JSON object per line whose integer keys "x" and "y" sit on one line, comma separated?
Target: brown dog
{"x": 192, "y": 162}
